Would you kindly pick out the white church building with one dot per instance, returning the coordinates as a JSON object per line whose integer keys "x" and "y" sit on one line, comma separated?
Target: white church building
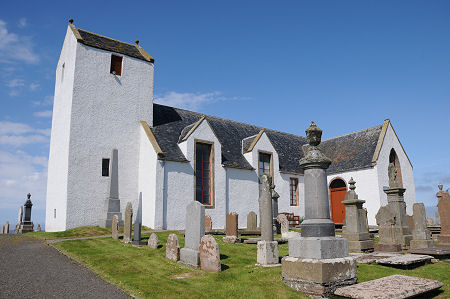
{"x": 104, "y": 101}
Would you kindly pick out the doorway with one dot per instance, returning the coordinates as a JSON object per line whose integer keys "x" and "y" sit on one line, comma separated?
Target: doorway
{"x": 338, "y": 189}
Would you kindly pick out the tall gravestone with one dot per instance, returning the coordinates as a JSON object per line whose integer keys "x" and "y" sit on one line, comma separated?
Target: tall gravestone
{"x": 355, "y": 229}
{"x": 115, "y": 227}
{"x": 267, "y": 248}
{"x": 27, "y": 225}
{"x": 252, "y": 221}
{"x": 421, "y": 235}
{"x": 209, "y": 254}
{"x": 438, "y": 218}
{"x": 128, "y": 227}
{"x": 19, "y": 220}
{"x": 284, "y": 225}
{"x": 231, "y": 228}
{"x": 444, "y": 215}
{"x": 318, "y": 262}
{"x": 113, "y": 201}
{"x": 208, "y": 224}
{"x": 6, "y": 228}
{"x": 395, "y": 229}
{"x": 194, "y": 231}
{"x": 138, "y": 223}
{"x": 275, "y": 224}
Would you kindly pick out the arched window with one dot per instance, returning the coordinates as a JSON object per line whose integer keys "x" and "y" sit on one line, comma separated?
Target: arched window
{"x": 393, "y": 158}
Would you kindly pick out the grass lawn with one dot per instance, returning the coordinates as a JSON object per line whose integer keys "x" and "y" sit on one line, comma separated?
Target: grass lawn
{"x": 79, "y": 232}
{"x": 144, "y": 272}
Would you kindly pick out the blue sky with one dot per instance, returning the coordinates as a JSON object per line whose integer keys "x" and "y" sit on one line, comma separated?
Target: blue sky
{"x": 347, "y": 65}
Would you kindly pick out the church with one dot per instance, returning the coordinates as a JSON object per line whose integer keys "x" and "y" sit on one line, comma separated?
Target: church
{"x": 106, "y": 131}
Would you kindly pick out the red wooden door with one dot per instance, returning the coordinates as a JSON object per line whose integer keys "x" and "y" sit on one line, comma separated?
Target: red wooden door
{"x": 337, "y": 195}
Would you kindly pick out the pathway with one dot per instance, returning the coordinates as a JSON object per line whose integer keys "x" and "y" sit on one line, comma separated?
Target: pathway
{"x": 31, "y": 269}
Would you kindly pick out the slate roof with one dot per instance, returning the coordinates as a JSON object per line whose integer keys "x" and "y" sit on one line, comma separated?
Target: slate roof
{"x": 348, "y": 152}
{"x": 109, "y": 44}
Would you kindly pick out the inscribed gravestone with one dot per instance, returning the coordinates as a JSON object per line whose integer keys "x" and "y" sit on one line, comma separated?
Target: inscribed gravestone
{"x": 194, "y": 231}
{"x": 421, "y": 235}
{"x": 251, "y": 221}
{"x": 115, "y": 227}
{"x": 231, "y": 228}
{"x": 172, "y": 248}
{"x": 208, "y": 224}
{"x": 284, "y": 223}
{"x": 209, "y": 254}
{"x": 153, "y": 241}
{"x": 127, "y": 227}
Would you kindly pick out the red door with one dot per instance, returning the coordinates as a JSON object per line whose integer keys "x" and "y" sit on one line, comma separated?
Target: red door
{"x": 337, "y": 195}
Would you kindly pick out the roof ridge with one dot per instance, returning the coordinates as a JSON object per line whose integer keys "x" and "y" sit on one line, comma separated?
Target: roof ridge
{"x": 354, "y": 132}
{"x": 104, "y": 36}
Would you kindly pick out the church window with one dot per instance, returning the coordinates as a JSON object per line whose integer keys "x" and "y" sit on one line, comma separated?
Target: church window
{"x": 116, "y": 65}
{"x": 105, "y": 167}
{"x": 264, "y": 166}
{"x": 62, "y": 72}
{"x": 204, "y": 166}
{"x": 293, "y": 188}
{"x": 54, "y": 213}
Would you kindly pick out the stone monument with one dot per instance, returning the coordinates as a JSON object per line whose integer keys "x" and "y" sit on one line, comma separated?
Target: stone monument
{"x": 172, "y": 248}
{"x": 19, "y": 220}
{"x": 355, "y": 229}
{"x": 38, "y": 228}
{"x": 6, "y": 228}
{"x": 267, "y": 248}
{"x": 437, "y": 217}
{"x": 115, "y": 227}
{"x": 284, "y": 225}
{"x": 444, "y": 215}
{"x": 429, "y": 221}
{"x": 194, "y": 231}
{"x": 208, "y": 224}
{"x": 252, "y": 221}
{"x": 409, "y": 220}
{"x": 153, "y": 241}
{"x": 138, "y": 223}
{"x": 112, "y": 205}
{"x": 275, "y": 223}
{"x": 421, "y": 235}
{"x": 231, "y": 228}
{"x": 386, "y": 231}
{"x": 318, "y": 262}
{"x": 209, "y": 254}
{"x": 127, "y": 227}
{"x": 26, "y": 225}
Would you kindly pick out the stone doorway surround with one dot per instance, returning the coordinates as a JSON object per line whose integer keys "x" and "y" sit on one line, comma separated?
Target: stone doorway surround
{"x": 338, "y": 189}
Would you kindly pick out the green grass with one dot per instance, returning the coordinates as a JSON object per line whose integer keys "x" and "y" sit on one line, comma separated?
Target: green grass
{"x": 144, "y": 272}
{"x": 79, "y": 232}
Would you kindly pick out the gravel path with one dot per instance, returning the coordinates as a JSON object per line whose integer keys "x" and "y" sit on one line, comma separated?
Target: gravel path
{"x": 31, "y": 269}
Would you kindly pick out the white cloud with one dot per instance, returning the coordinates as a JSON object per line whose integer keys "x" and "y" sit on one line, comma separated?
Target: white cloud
{"x": 45, "y": 113}
{"x": 47, "y": 101}
{"x": 15, "y": 83}
{"x": 34, "y": 86}
{"x": 15, "y": 48}
{"x": 189, "y": 100}
{"x": 18, "y": 134}
{"x": 22, "y": 23}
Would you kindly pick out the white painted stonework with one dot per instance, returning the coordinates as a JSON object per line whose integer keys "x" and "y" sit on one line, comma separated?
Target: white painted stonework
{"x": 95, "y": 112}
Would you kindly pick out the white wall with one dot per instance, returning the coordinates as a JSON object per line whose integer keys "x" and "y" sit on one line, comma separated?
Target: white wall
{"x": 106, "y": 110}
{"x": 60, "y": 134}
{"x": 391, "y": 142}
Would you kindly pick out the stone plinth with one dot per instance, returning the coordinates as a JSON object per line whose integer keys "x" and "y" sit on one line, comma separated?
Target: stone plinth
{"x": 318, "y": 247}
{"x": 394, "y": 286}
{"x": 318, "y": 277}
{"x": 194, "y": 231}
{"x": 267, "y": 253}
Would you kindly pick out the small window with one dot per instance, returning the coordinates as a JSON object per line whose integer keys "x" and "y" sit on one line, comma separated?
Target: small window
{"x": 62, "y": 72}
{"x": 116, "y": 65}
{"x": 204, "y": 173}
{"x": 264, "y": 166}
{"x": 54, "y": 213}
{"x": 293, "y": 189}
{"x": 105, "y": 167}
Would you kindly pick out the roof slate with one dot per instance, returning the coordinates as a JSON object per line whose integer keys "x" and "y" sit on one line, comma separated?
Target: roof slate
{"x": 113, "y": 45}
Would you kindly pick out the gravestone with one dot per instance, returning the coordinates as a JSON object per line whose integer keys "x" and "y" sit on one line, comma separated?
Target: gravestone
{"x": 38, "y": 228}
{"x": 112, "y": 203}
{"x": 127, "y": 227}
{"x": 386, "y": 231}
{"x": 115, "y": 227}
{"x": 355, "y": 229}
{"x": 194, "y": 231}
{"x": 19, "y": 220}
{"x": 138, "y": 223}
{"x": 318, "y": 262}
{"x": 429, "y": 221}
{"x": 267, "y": 248}
{"x": 284, "y": 225}
{"x": 252, "y": 221}
{"x": 27, "y": 225}
{"x": 444, "y": 215}
{"x": 6, "y": 228}
{"x": 172, "y": 248}
{"x": 153, "y": 241}
{"x": 405, "y": 261}
{"x": 231, "y": 228}
{"x": 275, "y": 223}
{"x": 3, "y": 229}
{"x": 208, "y": 224}
{"x": 209, "y": 254}
{"x": 438, "y": 218}
{"x": 409, "y": 219}
{"x": 421, "y": 235}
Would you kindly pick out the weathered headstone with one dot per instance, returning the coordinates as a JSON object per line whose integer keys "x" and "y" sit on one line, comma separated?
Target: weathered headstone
{"x": 275, "y": 224}
{"x": 405, "y": 261}
{"x": 430, "y": 221}
{"x": 208, "y": 224}
{"x": 138, "y": 223}
{"x": 386, "y": 231}
{"x": 115, "y": 227}
{"x": 194, "y": 231}
{"x": 318, "y": 262}
{"x": 153, "y": 241}
{"x": 172, "y": 248}
{"x": 421, "y": 235}
{"x": 231, "y": 228}
{"x": 6, "y": 228}
{"x": 252, "y": 221}
{"x": 3, "y": 229}
{"x": 27, "y": 225}
{"x": 112, "y": 203}
{"x": 267, "y": 248}
{"x": 444, "y": 215}
{"x": 355, "y": 229}
{"x": 409, "y": 219}
{"x": 19, "y": 220}
{"x": 284, "y": 225}
{"x": 209, "y": 254}
{"x": 38, "y": 228}
{"x": 127, "y": 227}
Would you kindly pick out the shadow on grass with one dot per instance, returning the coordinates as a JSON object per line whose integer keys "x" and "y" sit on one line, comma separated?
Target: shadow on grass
{"x": 223, "y": 256}
{"x": 159, "y": 246}
{"x": 224, "y": 267}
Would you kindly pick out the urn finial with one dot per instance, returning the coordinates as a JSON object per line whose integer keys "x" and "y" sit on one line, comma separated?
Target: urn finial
{"x": 313, "y": 134}
{"x": 352, "y": 184}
